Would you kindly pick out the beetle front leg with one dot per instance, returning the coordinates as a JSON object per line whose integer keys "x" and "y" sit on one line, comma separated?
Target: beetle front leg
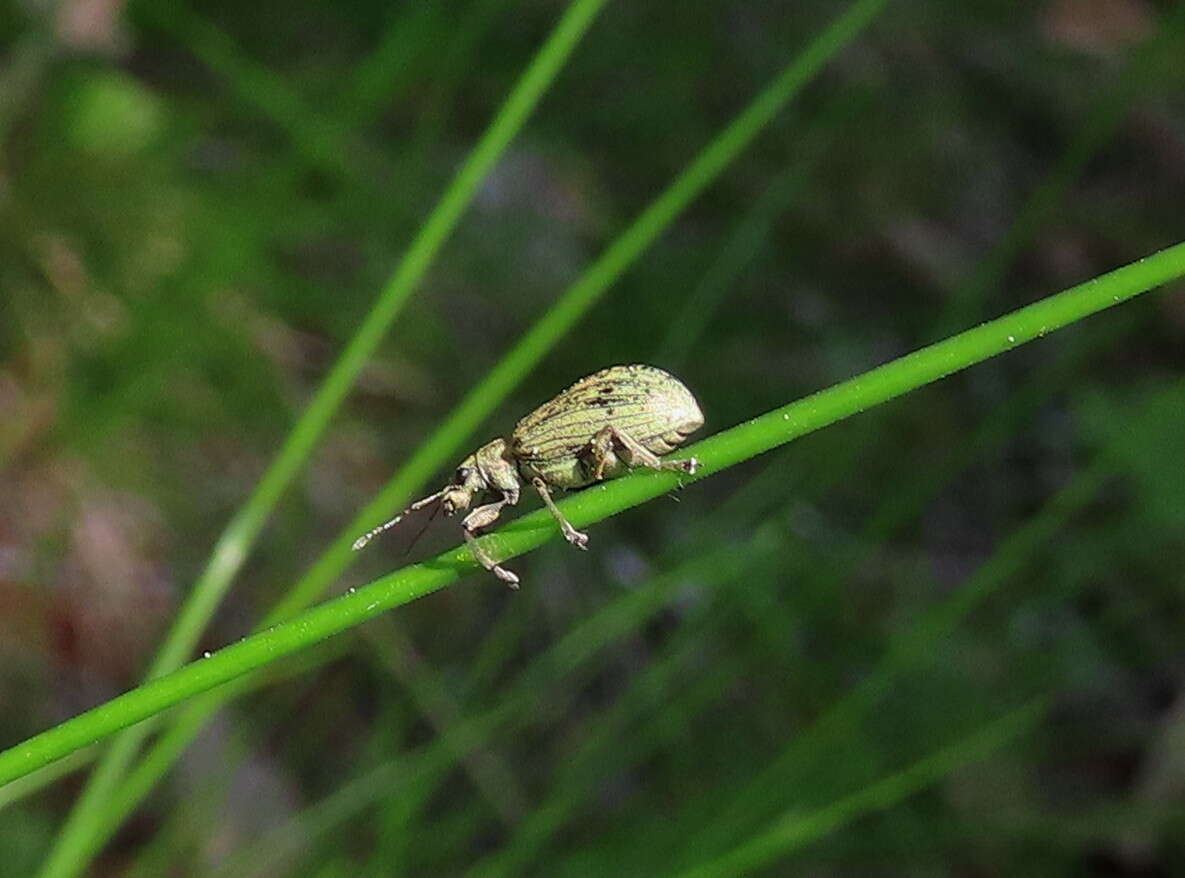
{"x": 609, "y": 440}
{"x": 571, "y": 534}
{"x": 483, "y": 516}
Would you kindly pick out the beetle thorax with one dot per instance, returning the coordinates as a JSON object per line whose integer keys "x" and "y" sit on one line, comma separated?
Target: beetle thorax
{"x": 497, "y": 466}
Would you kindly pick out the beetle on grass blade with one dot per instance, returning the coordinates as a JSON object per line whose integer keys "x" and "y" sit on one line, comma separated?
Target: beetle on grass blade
{"x": 613, "y": 420}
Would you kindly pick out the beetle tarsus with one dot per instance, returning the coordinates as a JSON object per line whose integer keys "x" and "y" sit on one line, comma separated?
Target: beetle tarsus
{"x": 479, "y": 555}
{"x": 571, "y": 534}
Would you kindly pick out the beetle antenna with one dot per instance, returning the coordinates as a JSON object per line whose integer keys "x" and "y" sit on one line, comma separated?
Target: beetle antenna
{"x": 361, "y": 542}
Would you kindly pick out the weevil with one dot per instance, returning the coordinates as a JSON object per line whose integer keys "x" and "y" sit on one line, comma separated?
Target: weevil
{"x": 613, "y": 420}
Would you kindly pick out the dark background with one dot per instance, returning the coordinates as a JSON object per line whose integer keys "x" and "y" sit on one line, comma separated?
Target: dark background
{"x": 198, "y": 203}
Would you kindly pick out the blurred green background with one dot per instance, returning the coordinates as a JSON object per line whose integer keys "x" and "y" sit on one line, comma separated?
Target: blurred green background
{"x": 198, "y": 205}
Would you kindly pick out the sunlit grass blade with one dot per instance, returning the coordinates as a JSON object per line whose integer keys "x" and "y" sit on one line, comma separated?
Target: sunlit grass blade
{"x": 544, "y": 335}
{"x": 31, "y": 784}
{"x": 442, "y": 446}
{"x": 420, "y": 779}
{"x": 563, "y": 668}
{"x": 233, "y": 546}
{"x": 554, "y": 675}
{"x": 605, "y": 749}
{"x": 716, "y": 453}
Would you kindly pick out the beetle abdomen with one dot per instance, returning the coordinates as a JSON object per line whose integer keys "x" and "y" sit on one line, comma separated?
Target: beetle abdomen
{"x": 649, "y": 404}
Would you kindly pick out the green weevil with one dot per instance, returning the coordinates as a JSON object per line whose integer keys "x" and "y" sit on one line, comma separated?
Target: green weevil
{"x": 613, "y": 420}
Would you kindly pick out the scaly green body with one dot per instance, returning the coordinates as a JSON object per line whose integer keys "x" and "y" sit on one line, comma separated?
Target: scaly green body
{"x": 652, "y": 406}
{"x": 620, "y": 417}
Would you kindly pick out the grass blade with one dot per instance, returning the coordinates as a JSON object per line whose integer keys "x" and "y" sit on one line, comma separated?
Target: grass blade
{"x": 797, "y": 830}
{"x": 233, "y": 546}
{"x": 719, "y": 452}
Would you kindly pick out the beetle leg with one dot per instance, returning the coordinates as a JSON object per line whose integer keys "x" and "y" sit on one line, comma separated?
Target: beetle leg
{"x": 483, "y": 516}
{"x": 601, "y": 450}
{"x": 571, "y": 534}
{"x": 609, "y": 439}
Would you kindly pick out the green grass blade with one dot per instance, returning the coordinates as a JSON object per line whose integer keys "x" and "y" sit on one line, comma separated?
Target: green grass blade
{"x": 232, "y": 547}
{"x": 909, "y": 647}
{"x": 723, "y": 450}
{"x": 751, "y": 233}
{"x": 267, "y": 855}
{"x": 488, "y": 769}
{"x": 796, "y": 830}
{"x": 443, "y": 445}
{"x": 31, "y": 784}
{"x": 541, "y": 338}
{"x": 318, "y": 140}
{"x": 553, "y": 673}
{"x": 1099, "y": 127}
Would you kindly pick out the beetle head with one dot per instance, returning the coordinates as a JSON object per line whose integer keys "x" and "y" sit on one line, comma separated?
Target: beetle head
{"x": 468, "y": 482}
{"x": 486, "y": 468}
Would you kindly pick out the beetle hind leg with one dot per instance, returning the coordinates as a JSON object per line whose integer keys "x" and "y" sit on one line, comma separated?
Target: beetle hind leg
{"x": 609, "y": 442}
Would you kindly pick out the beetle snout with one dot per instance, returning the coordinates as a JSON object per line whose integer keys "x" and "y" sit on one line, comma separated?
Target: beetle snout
{"x": 455, "y": 501}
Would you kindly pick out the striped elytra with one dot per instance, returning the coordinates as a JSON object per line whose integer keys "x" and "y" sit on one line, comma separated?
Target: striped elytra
{"x": 645, "y": 402}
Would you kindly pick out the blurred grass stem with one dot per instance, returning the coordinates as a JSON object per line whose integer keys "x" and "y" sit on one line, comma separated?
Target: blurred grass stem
{"x": 716, "y": 453}
{"x": 232, "y": 548}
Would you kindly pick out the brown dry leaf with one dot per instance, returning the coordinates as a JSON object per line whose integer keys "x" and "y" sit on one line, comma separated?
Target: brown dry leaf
{"x": 1098, "y": 27}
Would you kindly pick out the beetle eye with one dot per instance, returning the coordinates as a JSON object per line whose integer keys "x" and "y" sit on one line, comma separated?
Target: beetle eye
{"x": 463, "y": 473}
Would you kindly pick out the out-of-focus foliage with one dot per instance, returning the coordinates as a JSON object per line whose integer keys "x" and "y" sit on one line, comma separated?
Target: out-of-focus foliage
{"x": 198, "y": 204}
